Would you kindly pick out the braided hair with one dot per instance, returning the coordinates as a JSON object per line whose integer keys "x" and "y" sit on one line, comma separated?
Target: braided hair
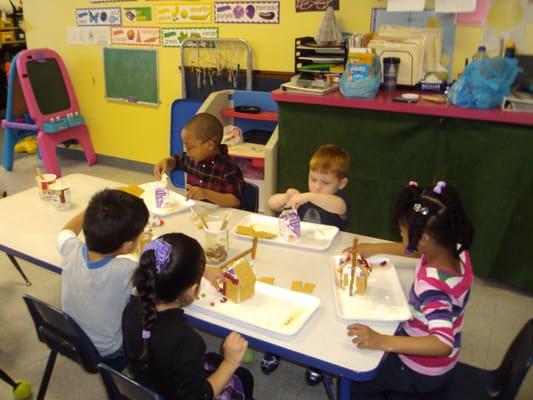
{"x": 155, "y": 283}
{"x": 437, "y": 211}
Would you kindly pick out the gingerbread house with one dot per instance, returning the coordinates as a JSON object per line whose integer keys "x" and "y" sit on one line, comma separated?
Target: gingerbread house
{"x": 353, "y": 272}
{"x": 239, "y": 281}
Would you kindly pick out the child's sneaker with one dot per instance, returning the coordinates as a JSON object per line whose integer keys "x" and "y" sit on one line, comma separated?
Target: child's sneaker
{"x": 269, "y": 363}
{"x": 313, "y": 376}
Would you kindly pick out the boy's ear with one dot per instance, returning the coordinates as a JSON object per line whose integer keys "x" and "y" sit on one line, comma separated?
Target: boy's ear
{"x": 343, "y": 183}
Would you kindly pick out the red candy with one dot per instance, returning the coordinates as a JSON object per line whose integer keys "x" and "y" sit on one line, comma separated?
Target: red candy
{"x": 223, "y": 299}
{"x": 212, "y": 304}
{"x": 383, "y": 263}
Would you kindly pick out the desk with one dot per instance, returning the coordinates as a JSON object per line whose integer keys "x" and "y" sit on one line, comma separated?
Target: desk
{"x": 322, "y": 342}
{"x": 486, "y": 154}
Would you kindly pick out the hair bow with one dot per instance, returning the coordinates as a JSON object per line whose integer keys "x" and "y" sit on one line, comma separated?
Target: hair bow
{"x": 413, "y": 183}
{"x": 162, "y": 251}
{"x": 418, "y": 208}
{"x": 439, "y": 186}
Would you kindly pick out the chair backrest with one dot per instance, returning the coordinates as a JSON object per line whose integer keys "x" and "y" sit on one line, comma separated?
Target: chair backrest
{"x": 62, "y": 334}
{"x": 516, "y": 363}
{"x": 250, "y": 197}
{"x": 128, "y": 388}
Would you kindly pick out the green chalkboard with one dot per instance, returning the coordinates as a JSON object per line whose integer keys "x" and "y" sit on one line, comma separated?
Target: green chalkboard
{"x": 131, "y": 75}
{"x": 48, "y": 86}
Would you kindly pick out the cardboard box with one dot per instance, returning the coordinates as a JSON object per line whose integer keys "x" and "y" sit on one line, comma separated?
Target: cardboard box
{"x": 7, "y": 36}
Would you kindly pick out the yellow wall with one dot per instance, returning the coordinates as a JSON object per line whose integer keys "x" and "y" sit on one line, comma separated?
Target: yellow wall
{"x": 141, "y": 133}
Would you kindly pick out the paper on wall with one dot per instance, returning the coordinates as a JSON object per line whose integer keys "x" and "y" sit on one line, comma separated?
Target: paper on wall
{"x": 88, "y": 35}
{"x": 406, "y": 5}
{"x": 455, "y": 6}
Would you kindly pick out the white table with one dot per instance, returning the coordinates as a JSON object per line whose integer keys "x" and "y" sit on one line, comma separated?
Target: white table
{"x": 30, "y": 226}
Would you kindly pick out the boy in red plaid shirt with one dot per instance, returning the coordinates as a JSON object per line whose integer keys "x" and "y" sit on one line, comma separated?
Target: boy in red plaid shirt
{"x": 212, "y": 175}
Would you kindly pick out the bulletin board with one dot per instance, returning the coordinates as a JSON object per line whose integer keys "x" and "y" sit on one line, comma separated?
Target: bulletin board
{"x": 131, "y": 75}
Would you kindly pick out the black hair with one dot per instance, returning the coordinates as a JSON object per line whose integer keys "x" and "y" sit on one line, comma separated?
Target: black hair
{"x": 441, "y": 215}
{"x": 184, "y": 268}
{"x": 112, "y": 218}
{"x": 206, "y": 126}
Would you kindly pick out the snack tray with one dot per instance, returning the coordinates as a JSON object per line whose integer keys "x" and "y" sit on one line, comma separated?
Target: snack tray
{"x": 179, "y": 202}
{"x": 384, "y": 299}
{"x": 314, "y": 236}
{"x": 273, "y": 309}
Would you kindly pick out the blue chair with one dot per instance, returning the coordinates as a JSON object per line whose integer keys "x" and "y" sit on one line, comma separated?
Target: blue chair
{"x": 250, "y": 197}
{"x": 503, "y": 383}
{"x": 62, "y": 335}
{"x": 127, "y": 388}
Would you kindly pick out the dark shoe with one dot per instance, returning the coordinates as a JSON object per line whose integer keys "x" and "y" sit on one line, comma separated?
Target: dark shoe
{"x": 313, "y": 376}
{"x": 269, "y": 363}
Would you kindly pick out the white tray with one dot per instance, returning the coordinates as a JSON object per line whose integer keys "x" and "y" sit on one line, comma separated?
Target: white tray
{"x": 384, "y": 299}
{"x": 273, "y": 309}
{"x": 314, "y": 236}
{"x": 179, "y": 201}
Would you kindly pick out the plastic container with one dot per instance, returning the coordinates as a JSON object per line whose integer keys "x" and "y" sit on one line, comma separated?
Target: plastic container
{"x": 60, "y": 194}
{"x": 43, "y": 184}
{"x": 216, "y": 242}
{"x": 391, "y": 66}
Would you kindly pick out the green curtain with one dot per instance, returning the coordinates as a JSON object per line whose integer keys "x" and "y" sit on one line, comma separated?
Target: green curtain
{"x": 490, "y": 163}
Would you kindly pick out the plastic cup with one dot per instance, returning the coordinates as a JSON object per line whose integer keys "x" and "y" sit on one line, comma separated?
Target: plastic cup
{"x": 60, "y": 194}
{"x": 43, "y": 183}
{"x": 216, "y": 241}
{"x": 390, "y": 72}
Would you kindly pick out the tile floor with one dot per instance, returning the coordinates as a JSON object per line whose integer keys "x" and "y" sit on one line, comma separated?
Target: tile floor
{"x": 494, "y": 315}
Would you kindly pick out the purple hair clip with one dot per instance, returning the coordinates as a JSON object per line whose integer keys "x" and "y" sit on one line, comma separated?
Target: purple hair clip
{"x": 439, "y": 186}
{"x": 162, "y": 251}
{"x": 413, "y": 183}
{"x": 146, "y": 334}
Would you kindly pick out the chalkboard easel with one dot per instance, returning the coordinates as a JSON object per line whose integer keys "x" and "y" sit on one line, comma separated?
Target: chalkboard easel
{"x": 131, "y": 75}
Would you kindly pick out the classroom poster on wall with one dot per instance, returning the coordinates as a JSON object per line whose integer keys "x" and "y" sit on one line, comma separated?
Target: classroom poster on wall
{"x": 109, "y": 1}
{"x": 316, "y": 5}
{"x": 174, "y": 37}
{"x": 185, "y": 13}
{"x": 109, "y": 16}
{"x": 137, "y": 14}
{"x": 246, "y": 12}
{"x": 138, "y": 36}
{"x": 88, "y": 35}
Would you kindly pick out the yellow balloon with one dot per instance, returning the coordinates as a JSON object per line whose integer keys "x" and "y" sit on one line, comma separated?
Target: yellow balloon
{"x": 505, "y": 14}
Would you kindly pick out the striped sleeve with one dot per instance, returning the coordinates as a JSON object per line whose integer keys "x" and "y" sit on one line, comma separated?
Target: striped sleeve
{"x": 436, "y": 306}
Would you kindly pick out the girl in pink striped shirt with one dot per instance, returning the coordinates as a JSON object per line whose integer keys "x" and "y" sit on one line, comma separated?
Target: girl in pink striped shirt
{"x": 421, "y": 356}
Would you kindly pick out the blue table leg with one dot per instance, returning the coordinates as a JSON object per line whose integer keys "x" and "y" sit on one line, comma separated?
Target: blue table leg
{"x": 344, "y": 388}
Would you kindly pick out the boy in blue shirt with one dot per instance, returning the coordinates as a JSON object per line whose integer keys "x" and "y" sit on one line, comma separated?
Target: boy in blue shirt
{"x": 324, "y": 203}
{"x": 96, "y": 284}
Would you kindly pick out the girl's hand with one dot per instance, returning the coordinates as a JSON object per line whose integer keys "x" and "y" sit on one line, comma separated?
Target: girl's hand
{"x": 365, "y": 337}
{"x": 234, "y": 348}
{"x": 213, "y": 275}
{"x": 291, "y": 192}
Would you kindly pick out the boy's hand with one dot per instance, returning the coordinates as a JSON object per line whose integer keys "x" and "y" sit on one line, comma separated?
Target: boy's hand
{"x": 196, "y": 193}
{"x": 234, "y": 348}
{"x": 365, "y": 337}
{"x": 297, "y": 200}
{"x": 165, "y": 165}
{"x": 291, "y": 192}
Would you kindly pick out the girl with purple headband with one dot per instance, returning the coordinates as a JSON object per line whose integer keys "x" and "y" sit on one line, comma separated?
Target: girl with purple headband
{"x": 421, "y": 356}
{"x": 165, "y": 353}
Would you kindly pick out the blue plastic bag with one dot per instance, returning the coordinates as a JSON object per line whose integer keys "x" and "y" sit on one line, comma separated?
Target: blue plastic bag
{"x": 484, "y": 83}
{"x": 365, "y": 88}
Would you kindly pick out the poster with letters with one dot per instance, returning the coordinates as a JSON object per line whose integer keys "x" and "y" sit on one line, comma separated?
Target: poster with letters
{"x": 247, "y": 12}
{"x": 316, "y": 5}
{"x": 98, "y": 16}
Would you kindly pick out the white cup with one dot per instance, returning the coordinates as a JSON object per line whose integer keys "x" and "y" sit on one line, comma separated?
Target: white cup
{"x": 43, "y": 184}
{"x": 60, "y": 194}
